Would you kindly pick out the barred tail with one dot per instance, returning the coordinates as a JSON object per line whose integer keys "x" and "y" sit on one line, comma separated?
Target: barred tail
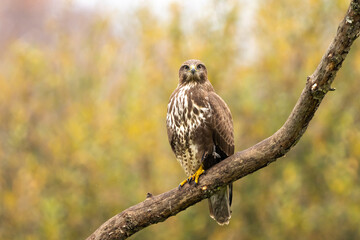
{"x": 219, "y": 205}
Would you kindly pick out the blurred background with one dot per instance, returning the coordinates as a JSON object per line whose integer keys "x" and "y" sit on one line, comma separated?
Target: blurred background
{"x": 84, "y": 87}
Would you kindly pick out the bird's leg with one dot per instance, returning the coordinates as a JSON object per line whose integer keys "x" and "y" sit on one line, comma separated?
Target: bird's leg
{"x": 200, "y": 171}
{"x": 195, "y": 176}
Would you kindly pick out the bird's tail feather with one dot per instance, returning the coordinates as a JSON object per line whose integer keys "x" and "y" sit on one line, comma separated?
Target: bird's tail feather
{"x": 219, "y": 206}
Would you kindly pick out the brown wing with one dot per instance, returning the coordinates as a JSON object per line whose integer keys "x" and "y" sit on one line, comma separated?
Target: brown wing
{"x": 221, "y": 124}
{"x": 170, "y": 130}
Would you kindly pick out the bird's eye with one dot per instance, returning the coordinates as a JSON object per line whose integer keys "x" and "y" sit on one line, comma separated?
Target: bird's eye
{"x": 199, "y": 66}
{"x": 186, "y": 67}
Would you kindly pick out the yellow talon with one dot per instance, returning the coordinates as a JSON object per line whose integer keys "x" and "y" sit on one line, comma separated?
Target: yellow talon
{"x": 198, "y": 173}
{"x": 182, "y": 183}
{"x": 194, "y": 177}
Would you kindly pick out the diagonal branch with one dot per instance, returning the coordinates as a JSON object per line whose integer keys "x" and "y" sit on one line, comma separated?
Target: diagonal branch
{"x": 158, "y": 208}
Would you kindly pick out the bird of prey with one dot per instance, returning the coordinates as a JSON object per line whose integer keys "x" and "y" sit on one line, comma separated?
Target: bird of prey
{"x": 200, "y": 131}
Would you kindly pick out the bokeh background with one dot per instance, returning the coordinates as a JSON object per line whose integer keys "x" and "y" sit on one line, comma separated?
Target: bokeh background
{"x": 84, "y": 88}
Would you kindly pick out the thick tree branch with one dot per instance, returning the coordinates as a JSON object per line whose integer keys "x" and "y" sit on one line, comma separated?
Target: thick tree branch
{"x": 158, "y": 208}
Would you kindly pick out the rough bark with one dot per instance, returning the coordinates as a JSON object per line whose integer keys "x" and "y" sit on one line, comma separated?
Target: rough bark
{"x": 158, "y": 208}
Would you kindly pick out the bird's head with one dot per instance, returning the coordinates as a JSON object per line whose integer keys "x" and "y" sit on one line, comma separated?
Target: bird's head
{"x": 192, "y": 71}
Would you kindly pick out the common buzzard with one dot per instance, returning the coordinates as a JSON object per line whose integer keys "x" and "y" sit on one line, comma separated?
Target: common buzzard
{"x": 200, "y": 131}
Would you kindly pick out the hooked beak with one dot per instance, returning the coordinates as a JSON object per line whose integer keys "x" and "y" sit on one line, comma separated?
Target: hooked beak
{"x": 192, "y": 69}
